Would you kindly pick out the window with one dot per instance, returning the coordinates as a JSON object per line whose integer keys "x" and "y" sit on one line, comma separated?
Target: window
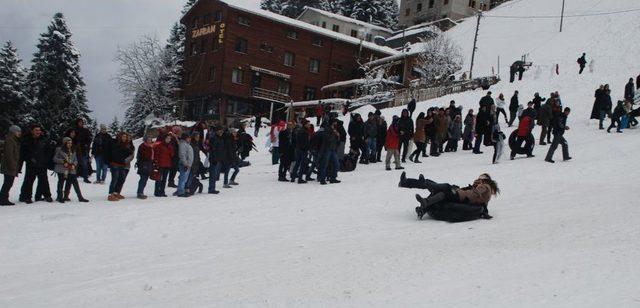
{"x": 244, "y": 21}
{"x": 241, "y": 45}
{"x": 214, "y": 44}
{"x": 265, "y": 47}
{"x": 292, "y": 34}
{"x": 314, "y": 65}
{"x": 284, "y": 87}
{"x": 407, "y": 12}
{"x": 368, "y": 37}
{"x": 317, "y": 41}
{"x": 324, "y": 24}
{"x": 194, "y": 49}
{"x": 217, "y": 16}
{"x": 194, "y": 24}
{"x": 309, "y": 93}
{"x": 289, "y": 59}
{"x": 212, "y": 73}
{"x": 354, "y": 33}
{"x": 431, "y": 3}
{"x": 206, "y": 20}
{"x": 336, "y": 28}
{"x": 237, "y": 76}
{"x": 419, "y": 7}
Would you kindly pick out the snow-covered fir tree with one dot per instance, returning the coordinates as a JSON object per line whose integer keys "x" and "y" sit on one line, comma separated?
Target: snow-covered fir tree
{"x": 13, "y": 99}
{"x": 293, "y": 8}
{"x": 146, "y": 82}
{"x": 378, "y": 12}
{"x": 115, "y": 127}
{"x": 439, "y": 58}
{"x": 54, "y": 80}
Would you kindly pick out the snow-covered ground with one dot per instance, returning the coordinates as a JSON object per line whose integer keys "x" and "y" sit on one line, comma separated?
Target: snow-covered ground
{"x": 564, "y": 235}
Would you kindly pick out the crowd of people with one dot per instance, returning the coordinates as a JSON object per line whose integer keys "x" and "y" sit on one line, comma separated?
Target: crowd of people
{"x": 172, "y": 153}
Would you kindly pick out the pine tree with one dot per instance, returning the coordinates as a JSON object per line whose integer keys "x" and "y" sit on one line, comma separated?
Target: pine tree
{"x": 114, "y": 127}
{"x": 54, "y": 80}
{"x": 13, "y": 99}
{"x": 293, "y": 8}
{"x": 388, "y": 15}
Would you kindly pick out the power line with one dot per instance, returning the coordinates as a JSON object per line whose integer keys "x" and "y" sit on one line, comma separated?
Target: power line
{"x": 566, "y": 16}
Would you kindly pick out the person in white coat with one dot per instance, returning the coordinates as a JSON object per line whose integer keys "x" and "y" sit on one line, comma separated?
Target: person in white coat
{"x": 500, "y": 104}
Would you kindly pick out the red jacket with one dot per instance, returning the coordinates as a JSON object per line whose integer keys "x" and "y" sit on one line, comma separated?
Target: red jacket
{"x": 392, "y": 142}
{"x": 163, "y": 153}
{"x": 524, "y": 128}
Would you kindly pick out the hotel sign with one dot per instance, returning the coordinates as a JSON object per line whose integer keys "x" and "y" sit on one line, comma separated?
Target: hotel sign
{"x": 209, "y": 30}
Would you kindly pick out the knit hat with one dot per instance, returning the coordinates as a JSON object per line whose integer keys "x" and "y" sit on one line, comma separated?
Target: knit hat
{"x": 66, "y": 139}
{"x": 103, "y": 127}
{"x": 15, "y": 128}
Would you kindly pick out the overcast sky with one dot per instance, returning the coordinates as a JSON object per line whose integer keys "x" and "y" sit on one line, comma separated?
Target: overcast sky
{"x": 98, "y": 27}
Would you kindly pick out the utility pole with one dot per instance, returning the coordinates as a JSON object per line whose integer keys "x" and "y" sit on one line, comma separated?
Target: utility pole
{"x": 562, "y": 16}
{"x": 475, "y": 41}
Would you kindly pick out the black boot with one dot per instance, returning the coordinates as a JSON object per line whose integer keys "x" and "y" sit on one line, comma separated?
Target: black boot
{"x": 6, "y": 202}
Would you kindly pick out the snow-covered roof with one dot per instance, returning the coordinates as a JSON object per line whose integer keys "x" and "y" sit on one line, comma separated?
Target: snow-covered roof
{"x": 345, "y": 19}
{"x": 309, "y": 27}
{"x": 416, "y": 31}
{"x": 409, "y": 51}
{"x": 357, "y": 82}
{"x": 328, "y": 101}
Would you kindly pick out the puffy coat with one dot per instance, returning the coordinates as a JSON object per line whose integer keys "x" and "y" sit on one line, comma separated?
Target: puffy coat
{"x": 34, "y": 152}
{"x": 301, "y": 139}
{"x": 420, "y": 134}
{"x": 455, "y": 130}
{"x": 328, "y": 140}
{"x": 118, "y": 154}
{"x": 217, "y": 152}
{"x": 185, "y": 153}
{"x": 483, "y": 123}
{"x": 371, "y": 128}
{"x": 545, "y": 114}
{"x": 479, "y": 193}
{"x": 405, "y": 124}
{"x": 100, "y": 143}
{"x": 11, "y": 158}
{"x": 392, "y": 141}
{"x": 61, "y": 157}
{"x": 144, "y": 159}
{"x": 163, "y": 154}
{"x": 525, "y": 126}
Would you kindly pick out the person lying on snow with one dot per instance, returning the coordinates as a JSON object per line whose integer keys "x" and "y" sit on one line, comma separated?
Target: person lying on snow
{"x": 452, "y": 203}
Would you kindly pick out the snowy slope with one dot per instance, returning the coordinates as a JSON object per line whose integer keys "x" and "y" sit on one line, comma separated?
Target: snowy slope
{"x": 564, "y": 235}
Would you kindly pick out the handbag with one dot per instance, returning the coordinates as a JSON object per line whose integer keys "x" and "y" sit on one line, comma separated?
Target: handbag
{"x": 154, "y": 174}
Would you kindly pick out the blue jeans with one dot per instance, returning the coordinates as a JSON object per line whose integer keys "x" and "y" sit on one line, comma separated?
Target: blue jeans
{"x": 118, "y": 175}
{"x": 302, "y": 163}
{"x": 372, "y": 145}
{"x": 326, "y": 158}
{"x": 214, "y": 175}
{"x": 142, "y": 183}
{"x": 478, "y": 143}
{"x": 182, "y": 179}
{"x": 101, "y": 168}
{"x": 226, "y": 172}
{"x": 275, "y": 155}
{"x": 602, "y": 115}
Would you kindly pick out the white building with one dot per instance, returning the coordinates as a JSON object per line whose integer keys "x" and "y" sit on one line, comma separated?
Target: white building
{"x": 345, "y": 25}
{"x": 414, "y": 12}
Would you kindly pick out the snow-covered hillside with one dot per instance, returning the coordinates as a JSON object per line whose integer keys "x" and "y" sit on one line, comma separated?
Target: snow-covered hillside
{"x": 564, "y": 235}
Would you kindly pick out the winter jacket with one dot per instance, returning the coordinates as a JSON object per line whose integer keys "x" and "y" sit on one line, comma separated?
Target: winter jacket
{"x": 301, "y": 139}
{"x": 34, "y": 152}
{"x": 412, "y": 105}
{"x": 329, "y": 140}
{"x": 82, "y": 141}
{"x": 61, "y": 157}
{"x": 430, "y": 127}
{"x": 537, "y": 102}
{"x": 118, "y": 154}
{"x": 629, "y": 91}
{"x": 545, "y": 114}
{"x": 185, "y": 153}
{"x": 196, "y": 152}
{"x": 286, "y": 144}
{"x": 483, "y": 121}
{"x": 175, "y": 142}
{"x": 455, "y": 130}
{"x": 231, "y": 149}
{"x": 525, "y": 126}
{"x": 405, "y": 128}
{"x": 381, "y": 136}
{"x": 356, "y": 130}
{"x": 619, "y": 111}
{"x": 442, "y": 127}
{"x": 129, "y": 159}
{"x": 559, "y": 125}
{"x": 529, "y": 112}
{"x": 392, "y": 141}
{"x": 10, "y": 164}
{"x": 420, "y": 134}
{"x": 163, "y": 154}
{"x": 217, "y": 151}
{"x": 468, "y": 125}
{"x": 144, "y": 158}
{"x": 500, "y": 103}
{"x": 371, "y": 128}
{"x": 486, "y": 101}
{"x": 513, "y": 107}
{"x": 479, "y": 194}
{"x": 100, "y": 142}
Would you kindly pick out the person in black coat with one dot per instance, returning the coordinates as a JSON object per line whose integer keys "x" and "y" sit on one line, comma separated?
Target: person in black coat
{"x": 629, "y": 91}
{"x": 618, "y": 112}
{"x": 217, "y": 157}
{"x": 287, "y": 152}
{"x": 302, "y": 145}
{"x": 513, "y": 108}
{"x": 482, "y": 129}
{"x": 381, "y": 137}
{"x": 328, "y": 143}
{"x": 37, "y": 152}
{"x": 406, "y": 131}
{"x": 100, "y": 143}
{"x": 357, "y": 137}
{"x": 487, "y": 101}
{"x": 82, "y": 142}
{"x": 582, "y": 61}
{"x": 537, "y": 102}
{"x": 231, "y": 156}
{"x": 559, "y": 127}
{"x": 411, "y": 107}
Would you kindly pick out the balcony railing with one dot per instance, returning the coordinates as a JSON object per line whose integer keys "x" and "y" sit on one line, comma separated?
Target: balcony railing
{"x": 271, "y": 96}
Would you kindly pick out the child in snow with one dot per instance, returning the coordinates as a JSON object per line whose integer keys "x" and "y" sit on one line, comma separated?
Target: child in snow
{"x": 498, "y": 137}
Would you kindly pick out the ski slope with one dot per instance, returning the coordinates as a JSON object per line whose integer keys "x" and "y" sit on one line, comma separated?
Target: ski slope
{"x": 563, "y": 235}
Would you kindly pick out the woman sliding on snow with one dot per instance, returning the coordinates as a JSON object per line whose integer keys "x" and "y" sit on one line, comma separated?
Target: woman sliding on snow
{"x": 452, "y": 203}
